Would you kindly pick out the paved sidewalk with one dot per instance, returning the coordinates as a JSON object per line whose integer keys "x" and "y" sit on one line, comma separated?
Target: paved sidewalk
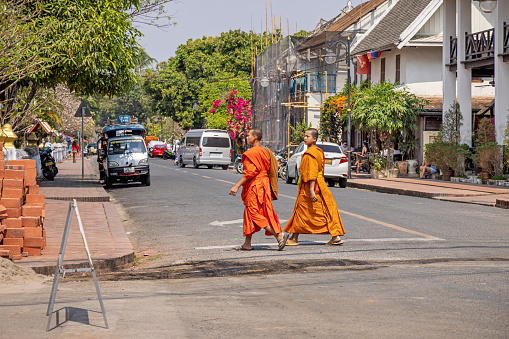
{"x": 109, "y": 245}
{"x": 436, "y": 189}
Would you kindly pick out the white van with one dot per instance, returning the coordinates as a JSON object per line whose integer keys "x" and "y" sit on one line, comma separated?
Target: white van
{"x": 205, "y": 147}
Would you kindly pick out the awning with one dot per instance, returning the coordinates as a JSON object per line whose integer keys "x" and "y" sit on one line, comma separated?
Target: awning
{"x": 44, "y": 125}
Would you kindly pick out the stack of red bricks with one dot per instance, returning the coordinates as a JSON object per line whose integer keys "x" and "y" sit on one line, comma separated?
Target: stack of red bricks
{"x": 21, "y": 209}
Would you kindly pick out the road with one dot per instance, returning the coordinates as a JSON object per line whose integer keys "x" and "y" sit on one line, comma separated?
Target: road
{"x": 409, "y": 268}
{"x": 187, "y": 215}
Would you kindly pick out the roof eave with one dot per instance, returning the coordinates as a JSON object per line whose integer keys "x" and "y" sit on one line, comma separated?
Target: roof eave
{"x": 417, "y": 24}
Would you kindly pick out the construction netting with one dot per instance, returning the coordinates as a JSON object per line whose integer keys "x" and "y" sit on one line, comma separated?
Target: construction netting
{"x": 285, "y": 75}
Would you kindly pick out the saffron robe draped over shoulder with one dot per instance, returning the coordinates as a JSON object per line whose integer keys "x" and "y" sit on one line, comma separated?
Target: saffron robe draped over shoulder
{"x": 322, "y": 216}
{"x": 259, "y": 212}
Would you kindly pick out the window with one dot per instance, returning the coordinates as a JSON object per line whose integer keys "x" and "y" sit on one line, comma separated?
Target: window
{"x": 398, "y": 66}
{"x": 329, "y": 148}
{"x": 125, "y": 146}
{"x": 192, "y": 141}
{"x": 382, "y": 70}
{"x": 216, "y": 142}
{"x": 317, "y": 78}
{"x": 432, "y": 123}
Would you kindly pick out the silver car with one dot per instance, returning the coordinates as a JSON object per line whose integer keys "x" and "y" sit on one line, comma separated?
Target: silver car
{"x": 336, "y": 164}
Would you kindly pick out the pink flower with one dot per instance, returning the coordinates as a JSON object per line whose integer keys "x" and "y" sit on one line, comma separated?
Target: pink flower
{"x": 212, "y": 111}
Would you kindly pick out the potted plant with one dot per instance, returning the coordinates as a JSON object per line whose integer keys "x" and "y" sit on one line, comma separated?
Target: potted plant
{"x": 446, "y": 152}
{"x": 489, "y": 154}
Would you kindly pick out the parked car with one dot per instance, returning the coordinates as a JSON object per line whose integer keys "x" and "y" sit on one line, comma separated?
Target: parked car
{"x": 92, "y": 149}
{"x": 209, "y": 147}
{"x": 336, "y": 164}
{"x": 158, "y": 150}
{"x": 152, "y": 143}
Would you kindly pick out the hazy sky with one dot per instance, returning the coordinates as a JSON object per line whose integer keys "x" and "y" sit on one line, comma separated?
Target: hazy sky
{"x": 198, "y": 18}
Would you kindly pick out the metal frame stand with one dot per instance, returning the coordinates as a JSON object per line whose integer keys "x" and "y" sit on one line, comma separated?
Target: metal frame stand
{"x": 59, "y": 269}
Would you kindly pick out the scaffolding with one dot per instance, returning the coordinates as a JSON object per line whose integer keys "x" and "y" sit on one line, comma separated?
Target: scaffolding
{"x": 285, "y": 76}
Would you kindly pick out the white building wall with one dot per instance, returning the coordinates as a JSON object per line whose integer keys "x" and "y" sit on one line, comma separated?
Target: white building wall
{"x": 313, "y": 113}
{"x": 434, "y": 25}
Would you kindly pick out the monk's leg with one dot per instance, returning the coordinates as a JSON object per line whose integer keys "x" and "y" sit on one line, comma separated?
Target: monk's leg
{"x": 294, "y": 239}
{"x": 278, "y": 236}
{"x": 247, "y": 243}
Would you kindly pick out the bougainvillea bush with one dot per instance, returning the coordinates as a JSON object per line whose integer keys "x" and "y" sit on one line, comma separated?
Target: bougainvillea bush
{"x": 237, "y": 113}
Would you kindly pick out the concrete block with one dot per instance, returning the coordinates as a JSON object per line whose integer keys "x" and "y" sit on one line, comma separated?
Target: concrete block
{"x": 12, "y": 223}
{"x": 14, "y": 241}
{"x": 14, "y": 212}
{"x": 32, "y": 250}
{"x": 34, "y": 199}
{"x": 15, "y": 249}
{"x": 30, "y": 221}
{"x": 15, "y": 183}
{"x": 14, "y": 174}
{"x": 32, "y": 211}
{"x": 33, "y": 232}
{"x": 33, "y": 189}
{"x": 14, "y": 233}
{"x": 34, "y": 242}
{"x": 8, "y": 192}
{"x": 11, "y": 202}
{"x": 27, "y": 163}
{"x": 5, "y": 253}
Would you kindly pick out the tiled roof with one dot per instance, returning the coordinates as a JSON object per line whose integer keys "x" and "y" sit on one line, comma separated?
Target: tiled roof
{"x": 435, "y": 103}
{"x": 438, "y": 38}
{"x": 386, "y": 33}
{"x": 354, "y": 15}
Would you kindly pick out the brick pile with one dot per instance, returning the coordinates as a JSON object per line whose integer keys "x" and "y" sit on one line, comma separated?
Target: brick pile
{"x": 22, "y": 209}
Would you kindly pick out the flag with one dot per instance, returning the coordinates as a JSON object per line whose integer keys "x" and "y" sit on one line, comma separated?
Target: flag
{"x": 362, "y": 64}
{"x": 374, "y": 55}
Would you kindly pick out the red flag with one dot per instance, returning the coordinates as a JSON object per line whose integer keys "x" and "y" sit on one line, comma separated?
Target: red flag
{"x": 362, "y": 64}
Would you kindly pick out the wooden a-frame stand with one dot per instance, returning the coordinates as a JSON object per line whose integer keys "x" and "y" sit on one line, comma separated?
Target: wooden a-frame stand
{"x": 60, "y": 269}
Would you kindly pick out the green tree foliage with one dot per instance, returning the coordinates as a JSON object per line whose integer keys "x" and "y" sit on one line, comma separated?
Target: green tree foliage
{"x": 178, "y": 83}
{"x": 213, "y": 91}
{"x": 298, "y": 132}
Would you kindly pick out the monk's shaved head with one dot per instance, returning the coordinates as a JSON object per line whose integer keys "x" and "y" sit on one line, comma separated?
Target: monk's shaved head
{"x": 257, "y": 133}
{"x": 314, "y": 132}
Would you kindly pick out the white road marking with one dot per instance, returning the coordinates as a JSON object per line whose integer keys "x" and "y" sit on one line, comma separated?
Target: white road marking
{"x": 194, "y": 174}
{"x": 347, "y": 241}
{"x": 204, "y": 176}
{"x": 286, "y": 196}
{"x": 228, "y": 182}
{"x": 237, "y": 221}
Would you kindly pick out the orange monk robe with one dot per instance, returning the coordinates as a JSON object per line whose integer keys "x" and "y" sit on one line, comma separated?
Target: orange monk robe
{"x": 259, "y": 211}
{"x": 322, "y": 216}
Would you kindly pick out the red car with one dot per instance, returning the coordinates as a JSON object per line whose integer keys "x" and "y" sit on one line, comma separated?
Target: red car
{"x": 158, "y": 150}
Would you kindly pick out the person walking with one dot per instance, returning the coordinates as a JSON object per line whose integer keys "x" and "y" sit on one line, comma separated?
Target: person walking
{"x": 315, "y": 210}
{"x": 74, "y": 148}
{"x": 256, "y": 194}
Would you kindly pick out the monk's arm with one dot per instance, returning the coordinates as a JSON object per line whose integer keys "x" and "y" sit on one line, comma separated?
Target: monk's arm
{"x": 312, "y": 190}
{"x": 235, "y": 188}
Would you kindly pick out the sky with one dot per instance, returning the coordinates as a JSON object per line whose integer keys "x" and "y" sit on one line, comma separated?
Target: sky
{"x": 197, "y": 18}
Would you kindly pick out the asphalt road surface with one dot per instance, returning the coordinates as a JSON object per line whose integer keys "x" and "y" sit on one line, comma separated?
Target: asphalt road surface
{"x": 187, "y": 215}
{"x": 409, "y": 268}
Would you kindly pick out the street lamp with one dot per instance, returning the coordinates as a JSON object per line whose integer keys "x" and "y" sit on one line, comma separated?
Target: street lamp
{"x": 265, "y": 81}
{"x": 330, "y": 58}
{"x": 487, "y": 6}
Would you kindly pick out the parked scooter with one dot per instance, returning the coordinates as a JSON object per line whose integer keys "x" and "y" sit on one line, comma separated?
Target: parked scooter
{"x": 238, "y": 164}
{"x": 168, "y": 155}
{"x": 48, "y": 164}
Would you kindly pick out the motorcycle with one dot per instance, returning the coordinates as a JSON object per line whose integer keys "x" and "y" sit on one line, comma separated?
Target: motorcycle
{"x": 48, "y": 164}
{"x": 168, "y": 155}
{"x": 238, "y": 164}
{"x": 282, "y": 169}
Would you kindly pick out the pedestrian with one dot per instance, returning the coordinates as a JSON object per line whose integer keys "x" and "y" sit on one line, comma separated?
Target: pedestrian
{"x": 315, "y": 210}
{"x": 74, "y": 147}
{"x": 256, "y": 194}
{"x": 70, "y": 151}
{"x": 344, "y": 146}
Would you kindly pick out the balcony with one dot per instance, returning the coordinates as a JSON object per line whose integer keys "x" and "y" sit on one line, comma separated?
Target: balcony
{"x": 479, "y": 50}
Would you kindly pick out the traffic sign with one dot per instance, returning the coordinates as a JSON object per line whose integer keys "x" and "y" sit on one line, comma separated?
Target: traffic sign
{"x": 79, "y": 111}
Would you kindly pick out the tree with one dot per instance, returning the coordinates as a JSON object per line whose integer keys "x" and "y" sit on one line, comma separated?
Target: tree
{"x": 330, "y": 122}
{"x": 177, "y": 84}
{"x": 298, "y": 132}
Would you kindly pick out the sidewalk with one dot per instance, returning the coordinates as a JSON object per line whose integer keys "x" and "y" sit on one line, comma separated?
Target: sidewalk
{"x": 109, "y": 245}
{"x": 436, "y": 189}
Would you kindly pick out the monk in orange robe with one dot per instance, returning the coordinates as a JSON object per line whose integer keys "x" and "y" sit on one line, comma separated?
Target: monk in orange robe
{"x": 256, "y": 194}
{"x": 315, "y": 210}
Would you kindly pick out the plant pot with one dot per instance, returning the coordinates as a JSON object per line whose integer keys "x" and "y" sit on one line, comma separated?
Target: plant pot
{"x": 402, "y": 166}
{"x": 484, "y": 178}
{"x": 411, "y": 169}
{"x": 447, "y": 174}
{"x": 376, "y": 174}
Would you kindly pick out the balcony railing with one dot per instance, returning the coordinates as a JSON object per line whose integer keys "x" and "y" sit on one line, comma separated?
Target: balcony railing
{"x": 506, "y": 38}
{"x": 453, "y": 55}
{"x": 480, "y": 45}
